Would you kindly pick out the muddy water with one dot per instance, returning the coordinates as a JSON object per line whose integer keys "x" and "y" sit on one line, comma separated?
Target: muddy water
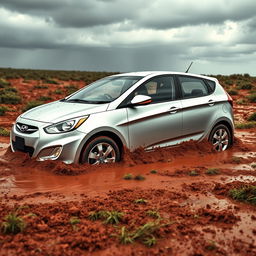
{"x": 29, "y": 181}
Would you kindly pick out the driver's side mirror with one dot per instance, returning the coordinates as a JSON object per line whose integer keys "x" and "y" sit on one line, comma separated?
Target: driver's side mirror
{"x": 141, "y": 100}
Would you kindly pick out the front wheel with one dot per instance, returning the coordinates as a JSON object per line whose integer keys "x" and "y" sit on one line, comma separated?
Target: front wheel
{"x": 101, "y": 150}
{"x": 220, "y": 137}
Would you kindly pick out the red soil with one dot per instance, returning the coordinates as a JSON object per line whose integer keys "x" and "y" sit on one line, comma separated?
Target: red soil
{"x": 198, "y": 216}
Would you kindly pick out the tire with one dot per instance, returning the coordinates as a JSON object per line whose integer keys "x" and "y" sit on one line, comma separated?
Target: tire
{"x": 101, "y": 150}
{"x": 220, "y": 137}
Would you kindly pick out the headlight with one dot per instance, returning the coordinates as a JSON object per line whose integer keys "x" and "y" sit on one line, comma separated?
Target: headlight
{"x": 66, "y": 126}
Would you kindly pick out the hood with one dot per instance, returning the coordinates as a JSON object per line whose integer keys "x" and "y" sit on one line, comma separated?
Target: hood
{"x": 61, "y": 110}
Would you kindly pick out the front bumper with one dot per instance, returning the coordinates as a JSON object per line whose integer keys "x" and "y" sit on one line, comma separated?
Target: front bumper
{"x": 39, "y": 143}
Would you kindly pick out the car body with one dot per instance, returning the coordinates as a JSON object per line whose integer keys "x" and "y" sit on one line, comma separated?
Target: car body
{"x": 139, "y": 109}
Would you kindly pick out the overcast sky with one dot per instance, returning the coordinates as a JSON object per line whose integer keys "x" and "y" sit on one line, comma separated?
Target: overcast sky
{"x": 129, "y": 35}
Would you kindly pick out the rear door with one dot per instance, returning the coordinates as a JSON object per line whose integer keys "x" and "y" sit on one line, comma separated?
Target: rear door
{"x": 198, "y": 104}
{"x": 160, "y": 122}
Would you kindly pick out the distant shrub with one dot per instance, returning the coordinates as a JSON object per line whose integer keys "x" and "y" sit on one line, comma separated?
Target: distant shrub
{"x": 232, "y": 92}
{"x": 241, "y": 102}
{"x": 58, "y": 91}
{"x": 32, "y": 104}
{"x": 44, "y": 98}
{"x": 252, "y": 117}
{"x": 41, "y": 86}
{"x": 10, "y": 89}
{"x": 71, "y": 88}
{"x": 247, "y": 125}
{"x": 3, "y": 110}
{"x": 50, "y": 81}
{"x": 9, "y": 97}
{"x": 229, "y": 82}
{"x": 246, "y": 86}
{"x": 252, "y": 98}
{"x": 4, "y": 132}
{"x": 3, "y": 83}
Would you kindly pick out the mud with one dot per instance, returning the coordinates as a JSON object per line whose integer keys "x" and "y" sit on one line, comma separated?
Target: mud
{"x": 197, "y": 216}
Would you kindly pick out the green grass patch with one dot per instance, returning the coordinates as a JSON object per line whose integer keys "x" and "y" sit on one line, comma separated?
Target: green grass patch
{"x": 128, "y": 176}
{"x": 145, "y": 234}
{"x": 246, "y": 125}
{"x": 74, "y": 221}
{"x": 8, "y": 96}
{"x": 153, "y": 171}
{"x": 153, "y": 214}
{"x": 244, "y": 194}
{"x": 232, "y": 92}
{"x": 39, "y": 86}
{"x": 242, "y": 102}
{"x": 212, "y": 171}
{"x": 58, "y": 91}
{"x": 71, "y": 88}
{"x": 252, "y": 98}
{"x": 139, "y": 177}
{"x": 140, "y": 201}
{"x": 252, "y": 117}
{"x": 109, "y": 217}
{"x": 13, "y": 223}
{"x": 32, "y": 104}
{"x": 3, "y": 109}
{"x": 44, "y": 98}
{"x": 236, "y": 159}
{"x": 4, "y": 132}
{"x": 193, "y": 173}
{"x": 4, "y": 83}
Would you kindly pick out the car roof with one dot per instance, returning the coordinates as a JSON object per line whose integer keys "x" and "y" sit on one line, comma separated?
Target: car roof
{"x": 152, "y": 73}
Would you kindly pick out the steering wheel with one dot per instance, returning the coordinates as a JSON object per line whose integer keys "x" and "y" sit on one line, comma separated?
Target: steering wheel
{"x": 108, "y": 96}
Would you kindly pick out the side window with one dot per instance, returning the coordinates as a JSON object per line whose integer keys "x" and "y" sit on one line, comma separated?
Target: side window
{"x": 160, "y": 89}
{"x": 192, "y": 87}
{"x": 211, "y": 84}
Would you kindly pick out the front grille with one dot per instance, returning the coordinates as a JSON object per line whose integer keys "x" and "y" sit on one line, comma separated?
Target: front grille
{"x": 19, "y": 145}
{"x": 25, "y": 128}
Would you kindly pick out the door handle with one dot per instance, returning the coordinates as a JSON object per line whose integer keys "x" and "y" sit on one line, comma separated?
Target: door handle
{"x": 173, "y": 110}
{"x": 211, "y": 103}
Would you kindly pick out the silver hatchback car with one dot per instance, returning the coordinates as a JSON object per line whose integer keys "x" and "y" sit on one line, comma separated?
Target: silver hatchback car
{"x": 140, "y": 109}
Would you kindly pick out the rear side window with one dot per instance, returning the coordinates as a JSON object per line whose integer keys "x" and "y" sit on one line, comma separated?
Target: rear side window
{"x": 211, "y": 85}
{"x": 192, "y": 87}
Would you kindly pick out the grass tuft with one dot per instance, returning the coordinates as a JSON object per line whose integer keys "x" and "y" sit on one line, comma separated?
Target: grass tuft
{"x": 4, "y": 132}
{"x": 32, "y": 104}
{"x": 154, "y": 214}
{"x": 13, "y": 223}
{"x": 109, "y": 217}
{"x": 128, "y": 176}
{"x": 245, "y": 194}
{"x": 193, "y": 173}
{"x": 139, "y": 177}
{"x": 212, "y": 171}
{"x": 252, "y": 117}
{"x": 246, "y": 125}
{"x": 140, "y": 201}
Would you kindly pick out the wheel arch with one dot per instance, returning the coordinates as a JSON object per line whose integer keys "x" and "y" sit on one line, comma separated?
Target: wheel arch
{"x": 227, "y": 123}
{"x": 120, "y": 141}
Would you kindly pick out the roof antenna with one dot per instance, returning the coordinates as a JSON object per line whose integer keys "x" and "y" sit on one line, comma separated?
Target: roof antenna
{"x": 189, "y": 67}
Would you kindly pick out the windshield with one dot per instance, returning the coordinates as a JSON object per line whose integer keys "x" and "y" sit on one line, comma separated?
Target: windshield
{"x": 104, "y": 90}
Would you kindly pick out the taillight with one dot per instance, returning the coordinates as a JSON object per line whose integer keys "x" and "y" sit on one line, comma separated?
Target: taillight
{"x": 230, "y": 100}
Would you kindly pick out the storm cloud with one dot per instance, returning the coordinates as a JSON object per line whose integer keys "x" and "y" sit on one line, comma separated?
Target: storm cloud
{"x": 117, "y": 35}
